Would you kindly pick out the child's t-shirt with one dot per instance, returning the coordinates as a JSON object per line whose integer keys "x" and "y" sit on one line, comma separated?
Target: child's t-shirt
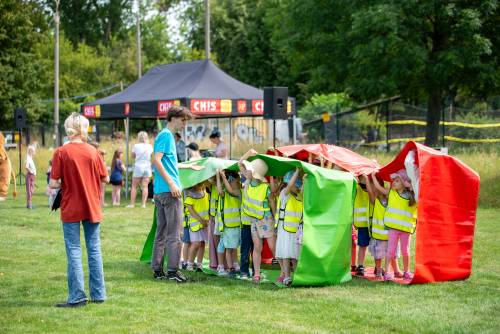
{"x": 30, "y": 165}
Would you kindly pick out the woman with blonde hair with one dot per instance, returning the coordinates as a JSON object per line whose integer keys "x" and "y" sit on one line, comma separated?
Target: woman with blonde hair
{"x": 78, "y": 170}
{"x": 142, "y": 168}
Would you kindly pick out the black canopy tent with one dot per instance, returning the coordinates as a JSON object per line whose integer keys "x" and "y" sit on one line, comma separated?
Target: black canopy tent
{"x": 199, "y": 85}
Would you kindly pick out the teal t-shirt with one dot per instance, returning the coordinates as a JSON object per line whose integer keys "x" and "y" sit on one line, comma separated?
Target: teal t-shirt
{"x": 165, "y": 143}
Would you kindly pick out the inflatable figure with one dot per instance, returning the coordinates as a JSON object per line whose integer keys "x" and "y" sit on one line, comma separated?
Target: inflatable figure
{"x": 5, "y": 171}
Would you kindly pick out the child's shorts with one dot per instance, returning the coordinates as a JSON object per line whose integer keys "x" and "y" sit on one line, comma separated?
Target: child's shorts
{"x": 363, "y": 237}
{"x": 378, "y": 248}
{"x": 220, "y": 246}
{"x": 185, "y": 235}
{"x": 200, "y": 235}
{"x": 231, "y": 237}
{"x": 263, "y": 228}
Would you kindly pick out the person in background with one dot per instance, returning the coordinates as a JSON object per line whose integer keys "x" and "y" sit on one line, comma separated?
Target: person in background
{"x": 51, "y": 193}
{"x": 180, "y": 146}
{"x": 117, "y": 169}
{"x": 193, "y": 152}
{"x": 30, "y": 169}
{"x": 102, "y": 153}
{"x": 78, "y": 169}
{"x": 361, "y": 218}
{"x": 142, "y": 168}
{"x": 221, "y": 150}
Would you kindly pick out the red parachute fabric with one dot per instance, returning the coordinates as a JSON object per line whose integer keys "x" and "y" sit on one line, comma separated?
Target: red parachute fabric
{"x": 446, "y": 215}
{"x": 342, "y": 157}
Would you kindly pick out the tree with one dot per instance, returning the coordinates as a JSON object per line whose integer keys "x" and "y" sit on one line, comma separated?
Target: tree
{"x": 19, "y": 66}
{"x": 420, "y": 50}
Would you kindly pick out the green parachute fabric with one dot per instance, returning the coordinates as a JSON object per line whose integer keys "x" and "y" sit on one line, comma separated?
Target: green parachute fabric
{"x": 328, "y": 202}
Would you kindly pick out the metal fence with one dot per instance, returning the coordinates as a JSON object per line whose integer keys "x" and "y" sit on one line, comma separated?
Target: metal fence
{"x": 389, "y": 124}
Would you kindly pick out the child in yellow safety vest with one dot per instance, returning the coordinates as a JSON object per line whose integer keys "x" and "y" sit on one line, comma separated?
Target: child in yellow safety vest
{"x": 361, "y": 217}
{"x": 400, "y": 219}
{"x": 258, "y": 206}
{"x": 229, "y": 220}
{"x": 379, "y": 233}
{"x": 197, "y": 201}
{"x": 288, "y": 217}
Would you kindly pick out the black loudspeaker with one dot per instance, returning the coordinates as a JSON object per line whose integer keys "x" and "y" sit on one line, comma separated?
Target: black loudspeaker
{"x": 275, "y": 102}
{"x": 19, "y": 118}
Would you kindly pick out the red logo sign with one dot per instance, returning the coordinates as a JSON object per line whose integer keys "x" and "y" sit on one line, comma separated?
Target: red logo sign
{"x": 163, "y": 107}
{"x": 127, "y": 109}
{"x": 258, "y": 107}
{"x": 242, "y": 106}
{"x": 89, "y": 111}
{"x": 205, "y": 106}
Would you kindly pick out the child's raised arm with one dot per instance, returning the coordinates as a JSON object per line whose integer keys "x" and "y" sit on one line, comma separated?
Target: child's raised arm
{"x": 220, "y": 191}
{"x": 293, "y": 179}
{"x": 251, "y": 152}
{"x": 377, "y": 185}
{"x": 230, "y": 189}
{"x": 371, "y": 192}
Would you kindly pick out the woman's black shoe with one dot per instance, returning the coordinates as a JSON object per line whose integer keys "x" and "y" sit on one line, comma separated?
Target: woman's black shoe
{"x": 78, "y": 304}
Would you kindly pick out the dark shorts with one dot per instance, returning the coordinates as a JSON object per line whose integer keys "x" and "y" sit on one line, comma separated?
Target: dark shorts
{"x": 116, "y": 182}
{"x": 363, "y": 237}
{"x": 185, "y": 236}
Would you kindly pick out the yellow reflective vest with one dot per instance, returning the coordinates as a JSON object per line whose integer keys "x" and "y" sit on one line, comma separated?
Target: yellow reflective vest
{"x": 290, "y": 213}
{"x": 201, "y": 206}
{"x": 378, "y": 230}
{"x": 253, "y": 201}
{"x": 399, "y": 215}
{"x": 228, "y": 212}
{"x": 214, "y": 199}
{"x": 361, "y": 212}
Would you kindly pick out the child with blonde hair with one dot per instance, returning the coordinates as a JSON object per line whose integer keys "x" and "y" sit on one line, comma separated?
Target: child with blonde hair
{"x": 30, "y": 176}
{"x": 197, "y": 202}
{"x": 399, "y": 219}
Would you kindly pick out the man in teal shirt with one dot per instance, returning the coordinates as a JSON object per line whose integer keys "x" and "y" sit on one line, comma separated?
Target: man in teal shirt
{"x": 168, "y": 200}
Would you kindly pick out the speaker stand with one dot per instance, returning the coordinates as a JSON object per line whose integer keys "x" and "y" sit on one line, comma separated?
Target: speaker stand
{"x": 274, "y": 133}
{"x": 20, "y": 146}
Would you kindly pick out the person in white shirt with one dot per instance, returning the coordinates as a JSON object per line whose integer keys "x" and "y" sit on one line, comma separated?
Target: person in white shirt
{"x": 142, "y": 168}
{"x": 221, "y": 150}
{"x": 30, "y": 175}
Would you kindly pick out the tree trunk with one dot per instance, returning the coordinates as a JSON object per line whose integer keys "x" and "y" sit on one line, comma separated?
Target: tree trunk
{"x": 434, "y": 106}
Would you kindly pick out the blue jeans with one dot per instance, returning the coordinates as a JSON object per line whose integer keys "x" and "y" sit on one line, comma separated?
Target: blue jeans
{"x": 74, "y": 256}
{"x": 246, "y": 249}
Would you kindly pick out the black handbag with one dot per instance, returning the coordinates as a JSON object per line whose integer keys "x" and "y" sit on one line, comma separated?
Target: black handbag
{"x": 57, "y": 200}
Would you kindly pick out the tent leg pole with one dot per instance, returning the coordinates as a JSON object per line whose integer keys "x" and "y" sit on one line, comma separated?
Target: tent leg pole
{"x": 126, "y": 155}
{"x": 230, "y": 137}
{"x": 274, "y": 133}
{"x": 294, "y": 132}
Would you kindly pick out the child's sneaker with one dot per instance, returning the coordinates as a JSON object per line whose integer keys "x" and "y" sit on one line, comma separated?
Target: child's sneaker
{"x": 221, "y": 272}
{"x": 236, "y": 266}
{"x": 244, "y": 276}
{"x": 388, "y": 277}
{"x": 379, "y": 272}
{"x": 189, "y": 267}
{"x": 232, "y": 273}
{"x": 199, "y": 267}
{"x": 407, "y": 276}
{"x": 184, "y": 265}
{"x": 176, "y": 276}
{"x": 287, "y": 281}
{"x": 360, "y": 270}
{"x": 280, "y": 279}
{"x": 398, "y": 274}
{"x": 353, "y": 268}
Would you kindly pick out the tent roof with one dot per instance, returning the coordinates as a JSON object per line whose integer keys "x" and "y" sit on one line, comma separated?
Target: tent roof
{"x": 195, "y": 79}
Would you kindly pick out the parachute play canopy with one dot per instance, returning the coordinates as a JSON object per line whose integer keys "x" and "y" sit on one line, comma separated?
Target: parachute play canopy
{"x": 325, "y": 254}
{"x": 199, "y": 85}
{"x": 340, "y": 156}
{"x": 447, "y": 203}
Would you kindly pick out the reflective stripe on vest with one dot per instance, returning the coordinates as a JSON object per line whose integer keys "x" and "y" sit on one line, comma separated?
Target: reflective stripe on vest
{"x": 201, "y": 206}
{"x": 378, "y": 230}
{"x": 228, "y": 211}
{"x": 253, "y": 200}
{"x": 246, "y": 219}
{"x": 361, "y": 205}
{"x": 399, "y": 215}
{"x": 214, "y": 199}
{"x": 290, "y": 213}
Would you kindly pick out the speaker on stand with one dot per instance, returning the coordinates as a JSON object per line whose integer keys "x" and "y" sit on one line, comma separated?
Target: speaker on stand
{"x": 20, "y": 124}
{"x": 275, "y": 105}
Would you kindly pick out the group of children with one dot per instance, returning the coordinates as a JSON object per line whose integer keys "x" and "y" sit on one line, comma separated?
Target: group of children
{"x": 384, "y": 217}
{"x": 237, "y": 210}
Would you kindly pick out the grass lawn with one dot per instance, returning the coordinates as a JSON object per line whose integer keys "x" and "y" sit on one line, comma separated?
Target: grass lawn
{"x": 33, "y": 279}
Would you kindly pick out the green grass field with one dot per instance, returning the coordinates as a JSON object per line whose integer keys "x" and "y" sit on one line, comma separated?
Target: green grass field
{"x": 33, "y": 279}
